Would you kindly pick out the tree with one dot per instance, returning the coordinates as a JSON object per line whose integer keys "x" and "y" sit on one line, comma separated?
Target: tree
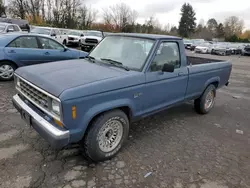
{"x": 220, "y": 31}
{"x": 212, "y": 26}
{"x": 233, "y": 26}
{"x": 119, "y": 15}
{"x": 187, "y": 22}
{"x": 2, "y": 8}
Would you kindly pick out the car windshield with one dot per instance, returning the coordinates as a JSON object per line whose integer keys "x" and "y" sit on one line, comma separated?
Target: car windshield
{"x": 2, "y": 27}
{"x": 76, "y": 33}
{"x": 40, "y": 30}
{"x": 131, "y": 52}
{"x": 93, "y": 33}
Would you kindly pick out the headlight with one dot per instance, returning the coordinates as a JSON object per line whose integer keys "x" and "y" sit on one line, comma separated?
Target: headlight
{"x": 17, "y": 82}
{"x": 56, "y": 107}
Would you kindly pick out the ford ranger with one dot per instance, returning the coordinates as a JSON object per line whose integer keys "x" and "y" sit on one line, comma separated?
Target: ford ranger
{"x": 92, "y": 101}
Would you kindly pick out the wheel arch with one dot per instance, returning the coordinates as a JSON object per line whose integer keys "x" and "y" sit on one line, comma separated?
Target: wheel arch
{"x": 98, "y": 110}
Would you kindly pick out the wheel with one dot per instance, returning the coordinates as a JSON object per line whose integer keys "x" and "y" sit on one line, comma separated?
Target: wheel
{"x": 7, "y": 70}
{"x": 206, "y": 101}
{"x": 106, "y": 135}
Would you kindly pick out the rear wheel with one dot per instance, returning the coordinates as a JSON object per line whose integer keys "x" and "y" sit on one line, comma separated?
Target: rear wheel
{"x": 7, "y": 70}
{"x": 106, "y": 135}
{"x": 206, "y": 101}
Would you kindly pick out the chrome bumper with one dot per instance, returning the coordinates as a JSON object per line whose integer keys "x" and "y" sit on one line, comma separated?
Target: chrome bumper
{"x": 56, "y": 137}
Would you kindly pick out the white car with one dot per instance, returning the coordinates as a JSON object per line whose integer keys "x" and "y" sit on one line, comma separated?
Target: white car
{"x": 74, "y": 38}
{"x": 90, "y": 39}
{"x": 54, "y": 33}
{"x": 203, "y": 48}
{"x": 7, "y": 28}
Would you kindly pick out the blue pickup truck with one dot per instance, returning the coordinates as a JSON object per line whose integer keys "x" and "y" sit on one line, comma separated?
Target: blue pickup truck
{"x": 93, "y": 101}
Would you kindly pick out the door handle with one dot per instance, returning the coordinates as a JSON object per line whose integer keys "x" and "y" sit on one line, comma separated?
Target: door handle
{"x": 12, "y": 51}
{"x": 181, "y": 73}
{"x": 47, "y": 53}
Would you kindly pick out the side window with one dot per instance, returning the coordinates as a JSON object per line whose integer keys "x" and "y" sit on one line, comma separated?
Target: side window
{"x": 16, "y": 28}
{"x": 10, "y": 28}
{"x": 58, "y": 32}
{"x": 168, "y": 52}
{"x": 50, "y": 44}
{"x": 24, "y": 42}
{"x": 53, "y": 32}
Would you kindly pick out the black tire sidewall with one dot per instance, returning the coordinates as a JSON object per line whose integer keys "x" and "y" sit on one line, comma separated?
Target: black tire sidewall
{"x": 91, "y": 143}
{"x": 10, "y": 64}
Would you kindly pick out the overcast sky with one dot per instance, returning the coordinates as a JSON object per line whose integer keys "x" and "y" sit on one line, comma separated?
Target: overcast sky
{"x": 168, "y": 11}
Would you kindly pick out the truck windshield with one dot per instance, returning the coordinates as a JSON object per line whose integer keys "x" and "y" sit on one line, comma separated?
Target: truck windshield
{"x": 40, "y": 30}
{"x": 132, "y": 52}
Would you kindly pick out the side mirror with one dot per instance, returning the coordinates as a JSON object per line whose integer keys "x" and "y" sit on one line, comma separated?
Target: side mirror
{"x": 65, "y": 48}
{"x": 53, "y": 35}
{"x": 82, "y": 35}
{"x": 168, "y": 68}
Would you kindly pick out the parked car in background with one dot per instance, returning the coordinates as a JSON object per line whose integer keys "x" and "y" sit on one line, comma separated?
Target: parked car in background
{"x": 90, "y": 39}
{"x": 74, "y": 38}
{"x": 17, "y": 50}
{"x": 7, "y": 28}
{"x": 187, "y": 43}
{"x": 93, "y": 101}
{"x": 54, "y": 33}
{"x": 235, "y": 48}
{"x": 204, "y": 48}
{"x": 245, "y": 50}
{"x": 22, "y": 24}
{"x": 221, "y": 49}
{"x": 195, "y": 42}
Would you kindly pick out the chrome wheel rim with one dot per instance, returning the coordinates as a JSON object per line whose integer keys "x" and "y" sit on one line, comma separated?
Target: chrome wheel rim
{"x": 110, "y": 135}
{"x": 209, "y": 100}
{"x": 6, "y": 71}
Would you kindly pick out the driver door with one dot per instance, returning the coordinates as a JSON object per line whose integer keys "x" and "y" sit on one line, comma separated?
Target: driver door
{"x": 165, "y": 88}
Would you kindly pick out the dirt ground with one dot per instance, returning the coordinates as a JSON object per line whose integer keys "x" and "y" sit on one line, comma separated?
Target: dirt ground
{"x": 174, "y": 149}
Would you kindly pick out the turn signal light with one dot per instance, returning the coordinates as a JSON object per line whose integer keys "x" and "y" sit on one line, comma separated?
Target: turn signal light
{"x": 73, "y": 112}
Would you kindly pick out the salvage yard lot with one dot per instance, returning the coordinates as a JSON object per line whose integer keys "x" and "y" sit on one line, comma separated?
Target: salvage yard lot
{"x": 176, "y": 148}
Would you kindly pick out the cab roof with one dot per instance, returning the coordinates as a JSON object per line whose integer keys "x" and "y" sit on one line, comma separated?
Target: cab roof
{"x": 148, "y": 36}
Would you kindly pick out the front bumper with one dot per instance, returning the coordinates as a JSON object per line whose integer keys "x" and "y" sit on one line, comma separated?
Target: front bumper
{"x": 56, "y": 137}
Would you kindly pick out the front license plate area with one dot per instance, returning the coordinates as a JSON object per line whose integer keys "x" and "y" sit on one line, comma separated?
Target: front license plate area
{"x": 26, "y": 117}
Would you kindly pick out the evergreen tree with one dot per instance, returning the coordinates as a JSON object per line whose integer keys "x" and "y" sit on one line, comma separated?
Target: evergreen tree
{"x": 187, "y": 23}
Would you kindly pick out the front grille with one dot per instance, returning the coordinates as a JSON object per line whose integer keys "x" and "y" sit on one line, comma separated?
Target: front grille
{"x": 34, "y": 95}
{"x": 87, "y": 40}
{"x": 71, "y": 38}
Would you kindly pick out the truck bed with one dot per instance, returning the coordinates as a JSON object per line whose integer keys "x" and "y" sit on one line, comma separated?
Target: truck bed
{"x": 200, "y": 60}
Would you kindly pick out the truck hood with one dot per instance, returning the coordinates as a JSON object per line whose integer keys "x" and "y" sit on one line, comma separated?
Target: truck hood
{"x": 59, "y": 76}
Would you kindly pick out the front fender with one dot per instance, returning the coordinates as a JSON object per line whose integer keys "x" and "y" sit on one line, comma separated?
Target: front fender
{"x": 105, "y": 106}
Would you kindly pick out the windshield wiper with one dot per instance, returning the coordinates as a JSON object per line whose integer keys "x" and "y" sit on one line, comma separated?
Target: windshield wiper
{"x": 115, "y": 63}
{"x": 92, "y": 59}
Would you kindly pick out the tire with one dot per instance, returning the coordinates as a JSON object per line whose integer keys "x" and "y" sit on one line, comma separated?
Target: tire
{"x": 64, "y": 42}
{"x": 93, "y": 147}
{"x": 8, "y": 67}
{"x": 201, "y": 105}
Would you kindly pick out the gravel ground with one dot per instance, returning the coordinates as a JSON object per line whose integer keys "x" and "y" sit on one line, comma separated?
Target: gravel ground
{"x": 175, "y": 149}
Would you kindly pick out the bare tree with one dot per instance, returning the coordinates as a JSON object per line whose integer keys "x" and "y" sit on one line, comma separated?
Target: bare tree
{"x": 233, "y": 26}
{"x": 119, "y": 15}
{"x": 86, "y": 17}
{"x": 18, "y": 8}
